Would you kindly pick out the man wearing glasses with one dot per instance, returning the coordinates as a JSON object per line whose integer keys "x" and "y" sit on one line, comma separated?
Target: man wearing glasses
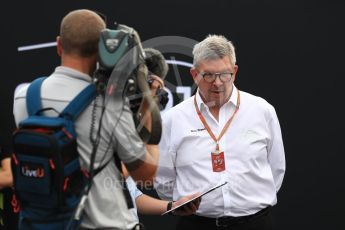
{"x": 222, "y": 135}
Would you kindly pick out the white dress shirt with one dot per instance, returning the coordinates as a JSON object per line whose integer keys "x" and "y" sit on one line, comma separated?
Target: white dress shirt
{"x": 253, "y": 151}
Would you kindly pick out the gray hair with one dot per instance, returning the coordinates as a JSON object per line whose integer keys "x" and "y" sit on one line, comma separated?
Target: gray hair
{"x": 213, "y": 47}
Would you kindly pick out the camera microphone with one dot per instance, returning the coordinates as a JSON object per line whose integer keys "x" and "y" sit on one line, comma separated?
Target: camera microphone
{"x": 155, "y": 62}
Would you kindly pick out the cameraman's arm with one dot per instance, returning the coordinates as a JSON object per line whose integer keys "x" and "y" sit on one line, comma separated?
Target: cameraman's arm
{"x": 143, "y": 171}
{"x": 152, "y": 150}
{"x": 149, "y": 148}
{"x": 139, "y": 159}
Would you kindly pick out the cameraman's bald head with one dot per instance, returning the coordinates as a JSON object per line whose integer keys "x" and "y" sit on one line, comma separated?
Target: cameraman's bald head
{"x": 80, "y": 31}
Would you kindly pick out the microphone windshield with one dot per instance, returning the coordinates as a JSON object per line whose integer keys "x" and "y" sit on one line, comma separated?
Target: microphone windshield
{"x": 155, "y": 62}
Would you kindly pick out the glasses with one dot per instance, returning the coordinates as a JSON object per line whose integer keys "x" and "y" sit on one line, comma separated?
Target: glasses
{"x": 211, "y": 77}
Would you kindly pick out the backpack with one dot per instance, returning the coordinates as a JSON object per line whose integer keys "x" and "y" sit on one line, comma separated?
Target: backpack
{"x": 48, "y": 180}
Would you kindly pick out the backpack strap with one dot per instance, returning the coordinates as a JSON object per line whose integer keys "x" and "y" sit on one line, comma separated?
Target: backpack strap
{"x": 33, "y": 97}
{"x": 80, "y": 102}
{"x": 73, "y": 109}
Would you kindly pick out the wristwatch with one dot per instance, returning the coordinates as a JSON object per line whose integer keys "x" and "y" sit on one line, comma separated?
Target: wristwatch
{"x": 169, "y": 206}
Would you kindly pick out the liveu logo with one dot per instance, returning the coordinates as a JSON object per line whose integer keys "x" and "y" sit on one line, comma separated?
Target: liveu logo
{"x": 36, "y": 173}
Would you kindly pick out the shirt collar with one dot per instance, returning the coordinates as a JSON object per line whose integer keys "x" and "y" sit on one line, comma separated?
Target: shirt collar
{"x": 232, "y": 100}
{"x": 63, "y": 70}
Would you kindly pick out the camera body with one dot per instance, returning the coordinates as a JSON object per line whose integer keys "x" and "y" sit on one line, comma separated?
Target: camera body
{"x": 122, "y": 76}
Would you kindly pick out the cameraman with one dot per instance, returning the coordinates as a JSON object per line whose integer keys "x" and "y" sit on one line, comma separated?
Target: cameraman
{"x": 77, "y": 45}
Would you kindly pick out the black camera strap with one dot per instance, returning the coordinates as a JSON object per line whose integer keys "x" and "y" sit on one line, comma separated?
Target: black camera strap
{"x": 124, "y": 186}
{"x": 154, "y": 136}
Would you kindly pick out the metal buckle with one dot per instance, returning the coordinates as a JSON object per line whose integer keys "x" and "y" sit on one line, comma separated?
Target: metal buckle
{"x": 139, "y": 226}
{"x": 220, "y": 223}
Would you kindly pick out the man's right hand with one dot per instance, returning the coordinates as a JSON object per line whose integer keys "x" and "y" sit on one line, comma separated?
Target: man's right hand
{"x": 188, "y": 208}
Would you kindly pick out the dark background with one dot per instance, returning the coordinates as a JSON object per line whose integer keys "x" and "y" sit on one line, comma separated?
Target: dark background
{"x": 289, "y": 52}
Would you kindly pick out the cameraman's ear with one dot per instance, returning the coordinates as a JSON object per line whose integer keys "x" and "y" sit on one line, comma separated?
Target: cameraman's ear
{"x": 58, "y": 46}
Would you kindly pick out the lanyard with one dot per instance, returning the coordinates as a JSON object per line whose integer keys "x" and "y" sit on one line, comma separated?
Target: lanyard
{"x": 226, "y": 126}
